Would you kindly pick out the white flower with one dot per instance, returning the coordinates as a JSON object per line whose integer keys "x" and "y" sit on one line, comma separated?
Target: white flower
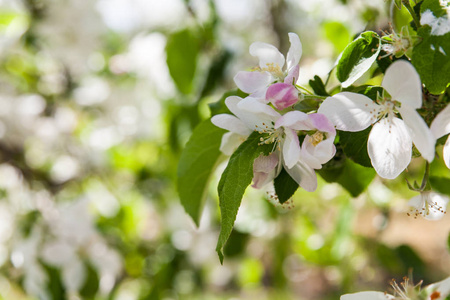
{"x": 282, "y": 131}
{"x": 390, "y": 140}
{"x": 430, "y": 205}
{"x": 271, "y": 63}
{"x": 406, "y": 290}
{"x": 440, "y": 127}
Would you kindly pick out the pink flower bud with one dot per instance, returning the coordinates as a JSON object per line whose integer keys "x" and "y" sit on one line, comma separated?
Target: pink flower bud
{"x": 282, "y": 95}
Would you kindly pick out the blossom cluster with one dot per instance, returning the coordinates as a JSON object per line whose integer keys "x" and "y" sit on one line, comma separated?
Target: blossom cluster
{"x": 304, "y": 142}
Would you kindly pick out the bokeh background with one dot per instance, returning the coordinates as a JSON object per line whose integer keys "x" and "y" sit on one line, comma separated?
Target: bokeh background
{"x": 97, "y": 100}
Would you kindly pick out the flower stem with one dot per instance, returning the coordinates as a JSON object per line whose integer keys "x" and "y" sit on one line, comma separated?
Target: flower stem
{"x": 411, "y": 12}
{"x": 304, "y": 89}
{"x": 313, "y": 97}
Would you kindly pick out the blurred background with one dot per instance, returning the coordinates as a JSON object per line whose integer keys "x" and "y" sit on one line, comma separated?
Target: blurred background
{"x": 97, "y": 100}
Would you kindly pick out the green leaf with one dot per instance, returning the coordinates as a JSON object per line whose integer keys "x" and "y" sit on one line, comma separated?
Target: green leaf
{"x": 235, "y": 179}
{"x": 355, "y": 178}
{"x": 354, "y": 145}
{"x": 358, "y": 57}
{"x": 182, "y": 49}
{"x": 285, "y": 186}
{"x": 196, "y": 164}
{"x": 440, "y": 184}
{"x": 318, "y": 86}
{"x": 430, "y": 57}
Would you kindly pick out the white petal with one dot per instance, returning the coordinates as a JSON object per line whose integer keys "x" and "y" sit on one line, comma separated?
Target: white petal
{"x": 295, "y": 51}
{"x": 295, "y": 120}
{"x": 304, "y": 175}
{"x": 291, "y": 148}
{"x": 367, "y": 296}
{"x": 441, "y": 124}
{"x": 325, "y": 150}
{"x": 252, "y": 82}
{"x": 264, "y": 169}
{"x": 420, "y": 133}
{"x": 443, "y": 287}
{"x": 231, "y": 123}
{"x": 417, "y": 202}
{"x": 437, "y": 205}
{"x": 389, "y": 147}
{"x": 268, "y": 55}
{"x": 402, "y": 82}
{"x": 74, "y": 275}
{"x": 349, "y": 111}
{"x": 230, "y": 142}
{"x": 307, "y": 154}
{"x": 255, "y": 114}
{"x": 447, "y": 153}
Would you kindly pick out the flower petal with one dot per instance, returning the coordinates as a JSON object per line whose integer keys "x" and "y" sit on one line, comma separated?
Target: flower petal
{"x": 295, "y": 51}
{"x": 437, "y": 204}
{"x": 349, "y": 111}
{"x": 230, "y": 142}
{"x": 321, "y": 123}
{"x": 389, "y": 147}
{"x": 291, "y": 148}
{"x": 403, "y": 83}
{"x": 252, "y": 82}
{"x": 420, "y": 133}
{"x": 367, "y": 296}
{"x": 256, "y": 114}
{"x": 264, "y": 169}
{"x": 304, "y": 175}
{"x": 292, "y": 75}
{"x": 282, "y": 95}
{"x": 231, "y": 123}
{"x": 441, "y": 124}
{"x": 443, "y": 287}
{"x": 268, "y": 55}
{"x": 295, "y": 120}
{"x": 447, "y": 153}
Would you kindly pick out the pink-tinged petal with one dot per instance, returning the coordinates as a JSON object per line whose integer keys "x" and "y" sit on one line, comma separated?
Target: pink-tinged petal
{"x": 252, "y": 82}
{"x": 264, "y": 169}
{"x": 230, "y": 142}
{"x": 403, "y": 83}
{"x": 295, "y": 120}
{"x": 441, "y": 124}
{"x": 295, "y": 51}
{"x": 231, "y": 123}
{"x": 447, "y": 153}
{"x": 292, "y": 76}
{"x": 290, "y": 148}
{"x": 321, "y": 123}
{"x": 389, "y": 147}
{"x": 268, "y": 55}
{"x": 282, "y": 95}
{"x": 349, "y": 111}
{"x": 367, "y": 296}
{"x": 420, "y": 133}
{"x": 304, "y": 175}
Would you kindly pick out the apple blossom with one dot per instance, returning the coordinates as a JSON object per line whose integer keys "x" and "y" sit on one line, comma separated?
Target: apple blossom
{"x": 440, "y": 127}
{"x": 430, "y": 205}
{"x": 390, "y": 140}
{"x": 406, "y": 290}
{"x": 270, "y": 70}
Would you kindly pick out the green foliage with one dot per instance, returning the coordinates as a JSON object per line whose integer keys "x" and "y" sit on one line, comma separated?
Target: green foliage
{"x": 430, "y": 56}
{"x": 196, "y": 165}
{"x": 354, "y": 145}
{"x": 182, "y": 50}
{"x": 285, "y": 186}
{"x": 318, "y": 86}
{"x": 358, "y": 57}
{"x": 234, "y": 181}
{"x": 355, "y": 178}
{"x": 440, "y": 184}
{"x": 337, "y": 33}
